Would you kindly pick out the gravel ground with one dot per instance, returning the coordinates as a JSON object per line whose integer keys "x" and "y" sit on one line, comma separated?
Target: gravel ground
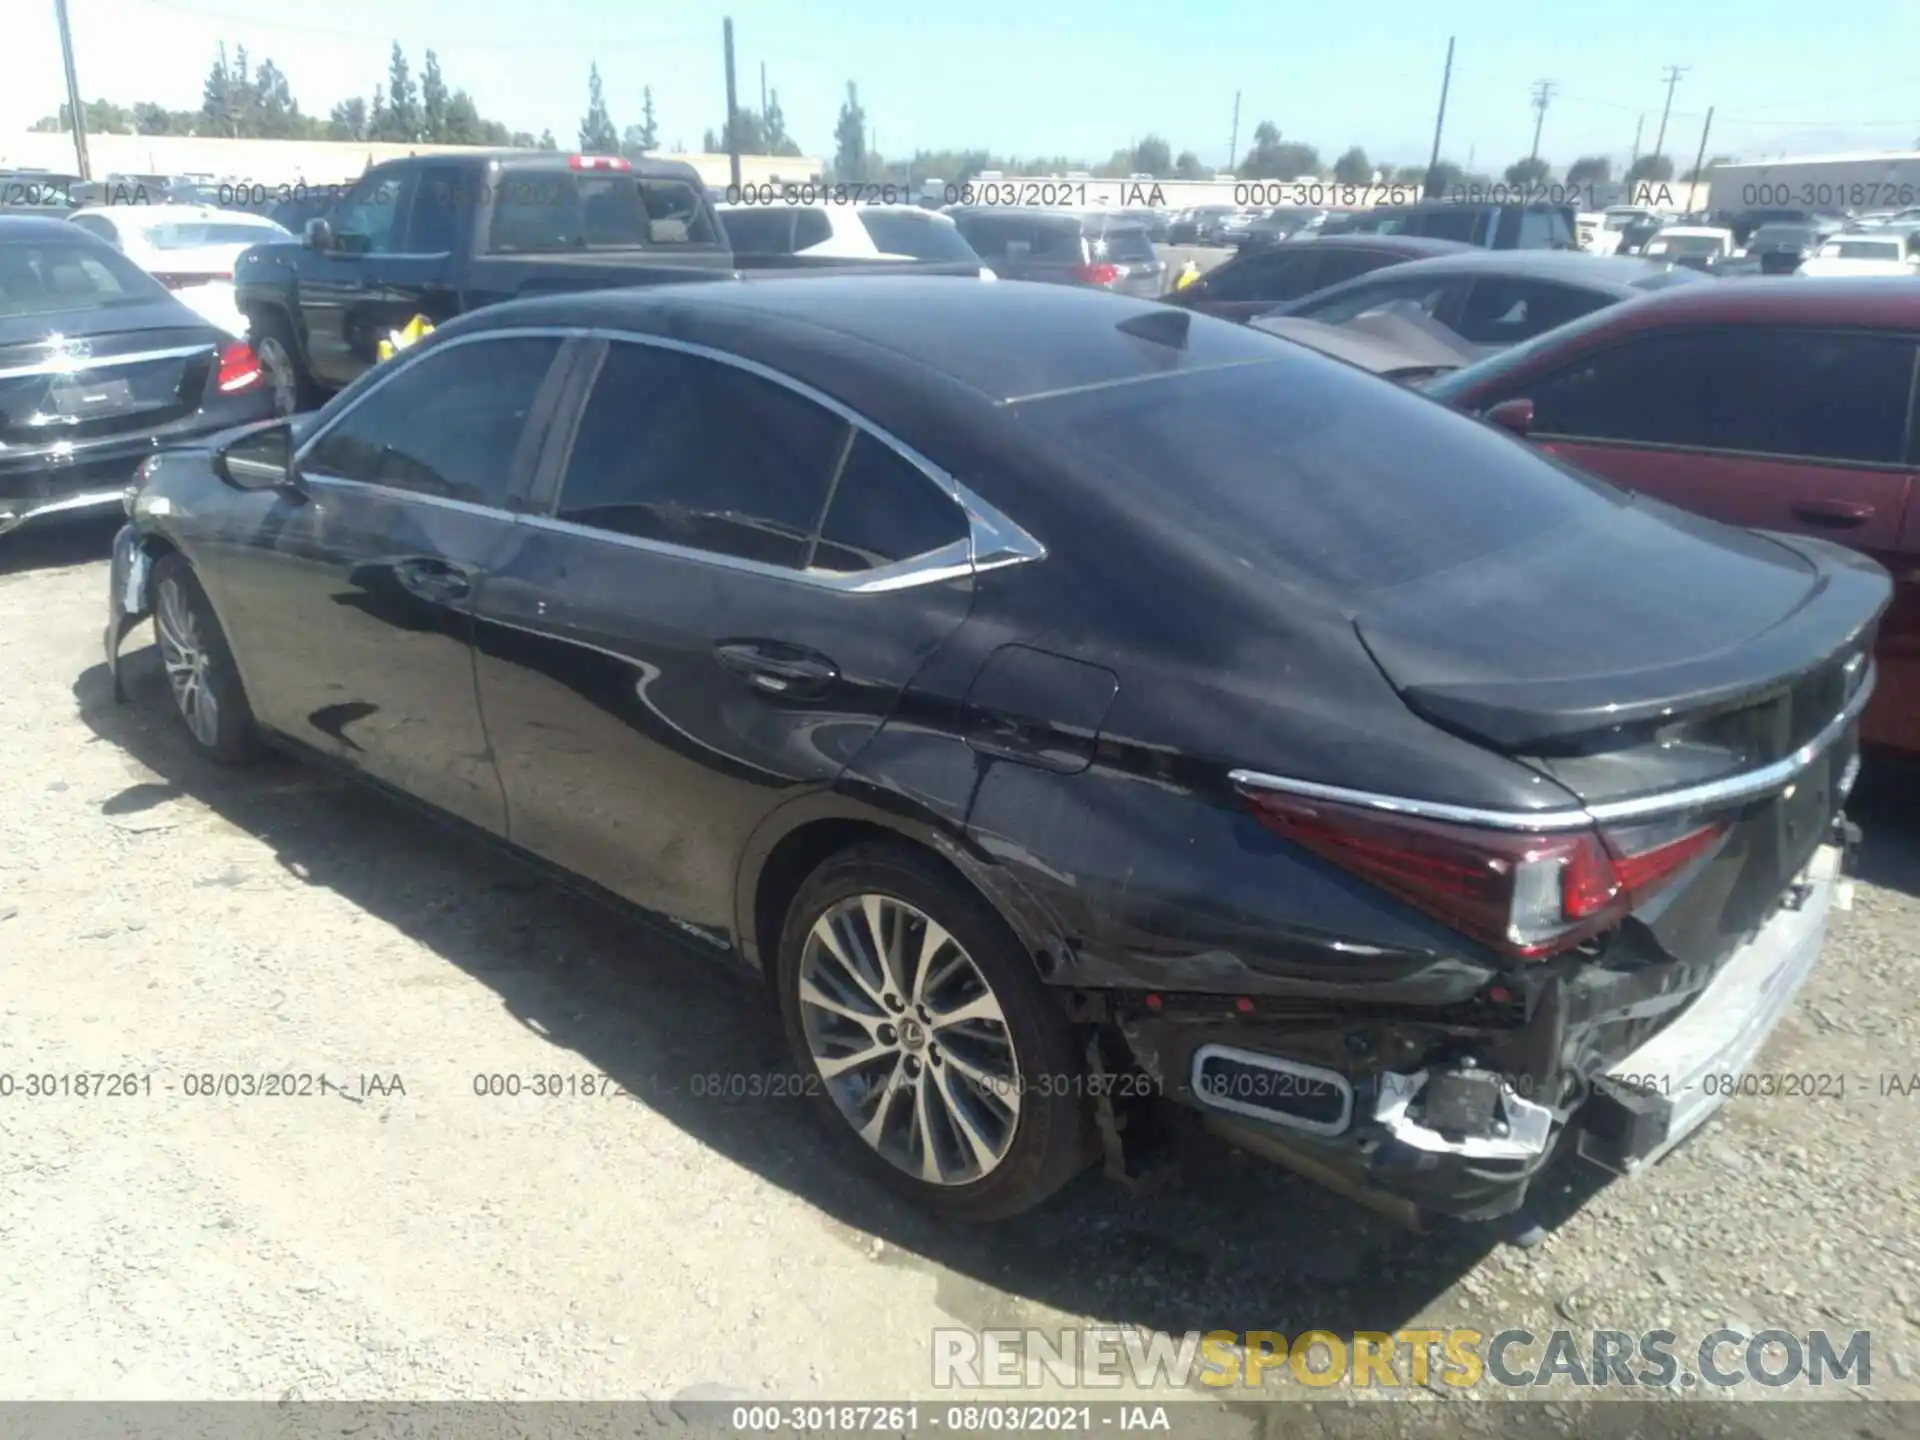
{"x": 168, "y": 919}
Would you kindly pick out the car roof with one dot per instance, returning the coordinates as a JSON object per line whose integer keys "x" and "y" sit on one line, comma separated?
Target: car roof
{"x": 24, "y": 229}
{"x": 165, "y": 212}
{"x": 1417, "y": 247}
{"x": 1869, "y": 302}
{"x": 1711, "y": 232}
{"x": 1002, "y": 342}
{"x": 1619, "y": 273}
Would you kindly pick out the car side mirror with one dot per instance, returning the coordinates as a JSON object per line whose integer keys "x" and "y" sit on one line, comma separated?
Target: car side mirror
{"x": 260, "y": 458}
{"x": 1515, "y": 416}
{"x": 319, "y": 235}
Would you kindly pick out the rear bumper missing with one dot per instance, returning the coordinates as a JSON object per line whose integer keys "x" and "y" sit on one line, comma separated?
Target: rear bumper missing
{"x": 1448, "y": 1138}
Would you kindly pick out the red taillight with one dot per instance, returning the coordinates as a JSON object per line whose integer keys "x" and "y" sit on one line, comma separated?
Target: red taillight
{"x": 239, "y": 368}
{"x": 598, "y": 162}
{"x": 1098, "y": 273}
{"x": 1527, "y": 894}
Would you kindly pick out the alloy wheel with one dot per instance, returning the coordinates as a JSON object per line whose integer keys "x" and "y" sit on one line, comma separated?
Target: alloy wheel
{"x": 909, "y": 1039}
{"x": 184, "y": 653}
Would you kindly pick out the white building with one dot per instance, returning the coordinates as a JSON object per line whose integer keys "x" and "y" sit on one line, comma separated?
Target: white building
{"x": 1887, "y": 180}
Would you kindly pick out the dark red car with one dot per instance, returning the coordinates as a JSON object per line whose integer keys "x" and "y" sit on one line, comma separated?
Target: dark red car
{"x": 1787, "y": 407}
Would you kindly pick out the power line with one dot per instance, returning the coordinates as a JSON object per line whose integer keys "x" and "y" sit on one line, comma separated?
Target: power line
{"x": 516, "y": 46}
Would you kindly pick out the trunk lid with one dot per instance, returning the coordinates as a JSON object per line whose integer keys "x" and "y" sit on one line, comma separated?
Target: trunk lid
{"x": 1652, "y": 656}
{"x": 103, "y": 374}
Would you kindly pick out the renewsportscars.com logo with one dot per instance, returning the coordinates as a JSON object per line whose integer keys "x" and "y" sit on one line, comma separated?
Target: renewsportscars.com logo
{"x": 1458, "y": 1358}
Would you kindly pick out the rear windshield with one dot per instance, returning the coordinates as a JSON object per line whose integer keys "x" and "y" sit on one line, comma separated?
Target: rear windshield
{"x": 549, "y": 216}
{"x": 191, "y": 235}
{"x": 1314, "y": 468}
{"x": 922, "y": 237}
{"x": 44, "y": 277}
{"x": 1862, "y": 250}
{"x": 1123, "y": 244}
{"x": 1784, "y": 235}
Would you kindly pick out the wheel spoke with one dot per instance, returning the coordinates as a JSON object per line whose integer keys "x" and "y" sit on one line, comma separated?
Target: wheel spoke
{"x": 830, "y": 1067}
{"x": 985, "y": 1155}
{"x": 986, "y": 1080}
{"x": 886, "y": 939}
{"x": 875, "y": 1127}
{"x": 933, "y": 940}
{"x": 981, "y": 1007}
{"x": 827, "y": 933}
{"x": 812, "y": 994}
{"x": 923, "y": 1128}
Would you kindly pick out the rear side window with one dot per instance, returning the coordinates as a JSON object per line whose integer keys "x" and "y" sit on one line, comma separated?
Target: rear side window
{"x": 1124, "y": 245}
{"x": 1428, "y": 294}
{"x": 1008, "y": 237}
{"x": 922, "y": 237}
{"x": 1504, "y": 312}
{"x": 1802, "y": 393}
{"x": 543, "y": 215}
{"x": 1316, "y": 469}
{"x": 1276, "y": 277}
{"x": 884, "y": 510}
{"x": 1337, "y": 266}
{"x": 676, "y": 213}
{"x": 1464, "y": 223}
{"x": 700, "y": 454}
{"x": 1543, "y": 230}
{"x": 761, "y": 230}
{"x": 810, "y": 228}
{"x": 43, "y": 277}
{"x": 449, "y": 425}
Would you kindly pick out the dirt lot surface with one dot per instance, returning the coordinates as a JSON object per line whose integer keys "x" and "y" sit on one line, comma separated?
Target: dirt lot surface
{"x": 168, "y": 920}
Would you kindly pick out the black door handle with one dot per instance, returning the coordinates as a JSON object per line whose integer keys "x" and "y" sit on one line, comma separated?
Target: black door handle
{"x": 1833, "y": 514}
{"x": 776, "y": 669}
{"x": 434, "y": 579}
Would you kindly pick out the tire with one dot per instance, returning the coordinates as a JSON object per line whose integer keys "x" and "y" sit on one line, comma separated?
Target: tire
{"x": 1031, "y": 1126}
{"x": 201, "y": 676}
{"x": 271, "y": 336}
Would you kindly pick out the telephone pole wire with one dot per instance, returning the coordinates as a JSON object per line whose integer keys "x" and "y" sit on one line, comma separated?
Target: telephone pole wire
{"x": 1542, "y": 94}
{"x": 1674, "y": 72}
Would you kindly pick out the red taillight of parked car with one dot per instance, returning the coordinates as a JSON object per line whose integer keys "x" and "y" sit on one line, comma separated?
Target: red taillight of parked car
{"x": 239, "y": 368}
{"x": 1528, "y": 895}
{"x": 1097, "y": 273}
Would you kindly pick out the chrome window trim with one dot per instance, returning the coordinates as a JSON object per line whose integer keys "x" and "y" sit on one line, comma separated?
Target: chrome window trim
{"x": 993, "y": 541}
{"x": 1727, "y": 791}
{"x": 397, "y": 493}
{"x": 74, "y": 365}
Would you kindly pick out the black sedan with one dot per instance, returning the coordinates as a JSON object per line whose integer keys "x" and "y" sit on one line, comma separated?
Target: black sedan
{"x": 1105, "y": 706}
{"x": 99, "y": 367}
{"x": 1255, "y": 281}
{"x": 1496, "y": 298}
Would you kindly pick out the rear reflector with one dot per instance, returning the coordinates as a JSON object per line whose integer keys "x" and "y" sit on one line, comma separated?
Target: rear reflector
{"x": 1096, "y": 274}
{"x": 239, "y": 368}
{"x": 1528, "y": 895}
{"x": 598, "y": 162}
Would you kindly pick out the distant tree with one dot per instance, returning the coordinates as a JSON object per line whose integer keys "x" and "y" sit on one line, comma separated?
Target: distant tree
{"x": 348, "y": 121}
{"x": 1656, "y": 168}
{"x": 597, "y": 135}
{"x": 1701, "y": 172}
{"x": 217, "y": 97}
{"x": 1152, "y": 156}
{"x": 1271, "y": 158}
{"x": 774, "y": 128}
{"x": 850, "y": 139}
{"x": 1590, "y": 170}
{"x": 1442, "y": 176}
{"x": 748, "y": 134}
{"x": 649, "y": 136}
{"x": 1188, "y": 167}
{"x": 1353, "y": 168}
{"x": 434, "y": 100}
{"x": 547, "y": 142}
{"x": 399, "y": 123}
{"x": 1409, "y": 175}
{"x": 1530, "y": 172}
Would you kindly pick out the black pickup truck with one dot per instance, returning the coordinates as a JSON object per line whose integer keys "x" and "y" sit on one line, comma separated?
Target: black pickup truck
{"x": 438, "y": 235}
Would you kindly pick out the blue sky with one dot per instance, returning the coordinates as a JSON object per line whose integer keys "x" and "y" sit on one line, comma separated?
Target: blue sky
{"x": 1785, "y": 77}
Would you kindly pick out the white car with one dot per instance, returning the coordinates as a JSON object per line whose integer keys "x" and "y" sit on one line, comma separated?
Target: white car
{"x": 188, "y": 248}
{"x": 1700, "y": 247}
{"x": 1870, "y": 253}
{"x": 854, "y": 232}
{"x": 1600, "y": 233}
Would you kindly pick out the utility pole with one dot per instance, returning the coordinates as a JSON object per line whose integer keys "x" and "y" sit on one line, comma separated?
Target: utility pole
{"x": 1674, "y": 72}
{"x": 733, "y": 134}
{"x": 1639, "y": 126}
{"x": 73, "y": 93}
{"x": 1542, "y": 93}
{"x": 763, "y": 95}
{"x": 1440, "y": 120}
{"x": 1233, "y": 142}
{"x": 1699, "y": 159}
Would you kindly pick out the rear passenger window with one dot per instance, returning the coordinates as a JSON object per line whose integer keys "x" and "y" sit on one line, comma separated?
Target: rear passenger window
{"x": 1504, "y": 312}
{"x": 1262, "y": 277}
{"x": 811, "y": 227}
{"x": 700, "y": 454}
{"x": 1770, "y": 392}
{"x": 884, "y": 510}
